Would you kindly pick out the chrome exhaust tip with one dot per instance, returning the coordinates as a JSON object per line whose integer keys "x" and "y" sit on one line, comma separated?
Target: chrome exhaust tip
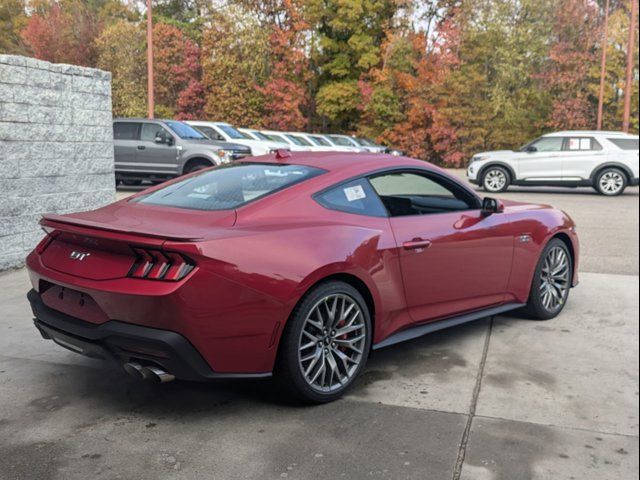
{"x": 156, "y": 375}
{"x": 134, "y": 369}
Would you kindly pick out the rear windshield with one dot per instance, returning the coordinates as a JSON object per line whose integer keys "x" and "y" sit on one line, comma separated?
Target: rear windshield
{"x": 229, "y": 186}
{"x": 625, "y": 143}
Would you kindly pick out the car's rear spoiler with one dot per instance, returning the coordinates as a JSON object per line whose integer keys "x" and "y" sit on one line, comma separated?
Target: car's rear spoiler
{"x": 61, "y": 221}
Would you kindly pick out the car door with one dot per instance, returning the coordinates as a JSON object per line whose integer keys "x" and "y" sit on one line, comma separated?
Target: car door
{"x": 154, "y": 156}
{"x": 541, "y": 160}
{"x": 125, "y": 143}
{"x": 580, "y": 157}
{"x": 453, "y": 258}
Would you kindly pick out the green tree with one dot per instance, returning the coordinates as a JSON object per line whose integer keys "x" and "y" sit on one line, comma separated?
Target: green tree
{"x": 122, "y": 51}
{"x": 235, "y": 58}
{"x": 12, "y": 20}
{"x": 349, "y": 35}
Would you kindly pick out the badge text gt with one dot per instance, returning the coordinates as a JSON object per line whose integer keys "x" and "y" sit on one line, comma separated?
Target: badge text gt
{"x": 80, "y": 256}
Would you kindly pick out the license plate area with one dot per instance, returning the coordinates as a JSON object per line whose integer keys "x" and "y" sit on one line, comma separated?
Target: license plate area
{"x": 76, "y": 304}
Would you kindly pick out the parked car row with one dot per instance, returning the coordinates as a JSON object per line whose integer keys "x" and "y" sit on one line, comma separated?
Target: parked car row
{"x": 262, "y": 142}
{"x": 156, "y": 149}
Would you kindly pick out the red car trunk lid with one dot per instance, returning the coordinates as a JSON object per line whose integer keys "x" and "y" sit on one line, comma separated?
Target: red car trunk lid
{"x": 98, "y": 244}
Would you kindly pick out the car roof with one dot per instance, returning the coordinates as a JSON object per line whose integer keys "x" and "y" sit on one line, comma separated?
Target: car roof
{"x": 353, "y": 163}
{"x": 568, "y": 133}
{"x": 141, "y": 119}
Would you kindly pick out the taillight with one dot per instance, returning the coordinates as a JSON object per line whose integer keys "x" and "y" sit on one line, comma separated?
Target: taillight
{"x": 153, "y": 264}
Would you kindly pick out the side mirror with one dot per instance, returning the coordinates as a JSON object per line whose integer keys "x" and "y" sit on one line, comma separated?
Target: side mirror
{"x": 163, "y": 139}
{"x": 530, "y": 149}
{"x": 491, "y": 206}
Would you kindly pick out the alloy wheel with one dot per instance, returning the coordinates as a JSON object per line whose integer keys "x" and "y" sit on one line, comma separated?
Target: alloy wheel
{"x": 495, "y": 180}
{"x": 611, "y": 182}
{"x": 332, "y": 343}
{"x": 555, "y": 277}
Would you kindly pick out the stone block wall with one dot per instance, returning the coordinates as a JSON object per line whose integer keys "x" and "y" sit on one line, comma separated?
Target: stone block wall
{"x": 56, "y": 147}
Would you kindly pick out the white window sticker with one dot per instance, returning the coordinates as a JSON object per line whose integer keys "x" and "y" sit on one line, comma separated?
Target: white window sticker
{"x": 354, "y": 193}
{"x": 574, "y": 144}
{"x": 585, "y": 144}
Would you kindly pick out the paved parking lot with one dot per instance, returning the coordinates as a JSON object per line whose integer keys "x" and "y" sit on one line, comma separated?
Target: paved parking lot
{"x": 501, "y": 399}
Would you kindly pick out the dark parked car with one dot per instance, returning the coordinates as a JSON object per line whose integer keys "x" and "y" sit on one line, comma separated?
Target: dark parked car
{"x": 156, "y": 150}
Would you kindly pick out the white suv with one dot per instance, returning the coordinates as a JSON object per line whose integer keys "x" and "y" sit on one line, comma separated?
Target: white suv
{"x": 606, "y": 161}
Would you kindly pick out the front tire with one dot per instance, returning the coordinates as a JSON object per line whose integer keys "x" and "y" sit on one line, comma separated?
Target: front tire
{"x": 325, "y": 344}
{"x": 496, "y": 179}
{"x": 611, "y": 182}
{"x": 551, "y": 282}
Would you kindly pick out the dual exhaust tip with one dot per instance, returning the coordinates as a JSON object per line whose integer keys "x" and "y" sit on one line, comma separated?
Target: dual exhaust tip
{"x": 150, "y": 373}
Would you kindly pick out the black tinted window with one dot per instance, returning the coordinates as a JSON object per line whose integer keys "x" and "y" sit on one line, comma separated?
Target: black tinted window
{"x": 625, "y": 143}
{"x": 125, "y": 131}
{"x": 229, "y": 186}
{"x": 356, "y": 196}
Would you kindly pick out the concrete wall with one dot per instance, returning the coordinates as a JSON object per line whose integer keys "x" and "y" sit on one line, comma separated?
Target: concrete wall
{"x": 56, "y": 147}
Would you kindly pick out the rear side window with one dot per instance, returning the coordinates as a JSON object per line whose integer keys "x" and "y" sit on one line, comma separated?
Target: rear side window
{"x": 625, "y": 143}
{"x": 582, "y": 143}
{"x": 356, "y": 197}
{"x": 229, "y": 186}
{"x": 125, "y": 130}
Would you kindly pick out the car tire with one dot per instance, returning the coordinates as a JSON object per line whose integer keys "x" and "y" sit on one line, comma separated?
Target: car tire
{"x": 496, "y": 179}
{"x": 611, "y": 182}
{"x": 132, "y": 183}
{"x": 310, "y": 358}
{"x": 551, "y": 282}
{"x": 196, "y": 166}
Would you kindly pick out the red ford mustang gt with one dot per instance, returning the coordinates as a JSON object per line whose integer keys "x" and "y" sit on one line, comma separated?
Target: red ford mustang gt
{"x": 296, "y": 265}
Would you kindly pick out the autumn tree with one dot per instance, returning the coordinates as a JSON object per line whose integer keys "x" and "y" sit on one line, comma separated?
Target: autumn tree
{"x": 12, "y": 20}
{"x": 567, "y": 74}
{"x": 121, "y": 49}
{"x": 349, "y": 37}
{"x": 176, "y": 61}
{"x": 235, "y": 57}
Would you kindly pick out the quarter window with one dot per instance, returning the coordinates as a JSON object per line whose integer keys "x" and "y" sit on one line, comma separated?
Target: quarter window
{"x": 625, "y": 143}
{"x": 125, "y": 130}
{"x": 408, "y": 193}
{"x": 356, "y": 197}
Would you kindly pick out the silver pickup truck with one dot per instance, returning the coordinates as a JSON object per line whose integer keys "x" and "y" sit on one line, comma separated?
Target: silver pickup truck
{"x": 156, "y": 150}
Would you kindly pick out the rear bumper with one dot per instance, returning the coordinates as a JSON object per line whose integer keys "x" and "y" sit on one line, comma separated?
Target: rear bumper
{"x": 121, "y": 342}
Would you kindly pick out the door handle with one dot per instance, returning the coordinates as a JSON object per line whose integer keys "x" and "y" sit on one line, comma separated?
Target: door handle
{"x": 141, "y": 147}
{"x": 416, "y": 243}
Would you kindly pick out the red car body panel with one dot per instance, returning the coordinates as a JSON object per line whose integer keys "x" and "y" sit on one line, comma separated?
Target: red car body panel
{"x": 254, "y": 264}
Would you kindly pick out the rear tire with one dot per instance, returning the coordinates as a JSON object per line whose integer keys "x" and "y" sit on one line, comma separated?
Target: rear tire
{"x": 551, "y": 282}
{"x": 611, "y": 182}
{"x": 496, "y": 179}
{"x": 316, "y": 362}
